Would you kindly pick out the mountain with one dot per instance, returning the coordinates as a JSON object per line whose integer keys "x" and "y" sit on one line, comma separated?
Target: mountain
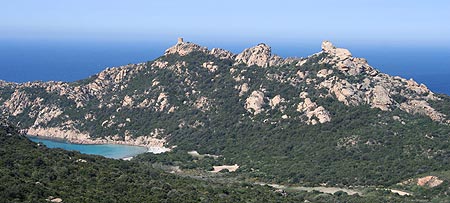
{"x": 329, "y": 118}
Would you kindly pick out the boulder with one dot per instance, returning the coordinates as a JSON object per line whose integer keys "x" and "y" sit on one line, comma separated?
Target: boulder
{"x": 258, "y": 55}
{"x": 127, "y": 101}
{"x": 275, "y": 101}
{"x": 255, "y": 102}
{"x": 210, "y": 66}
{"x": 324, "y": 73}
{"x": 302, "y": 75}
{"x": 312, "y": 111}
{"x": 243, "y": 89}
{"x": 327, "y": 46}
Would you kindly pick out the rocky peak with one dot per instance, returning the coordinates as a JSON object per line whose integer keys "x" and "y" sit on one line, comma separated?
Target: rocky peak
{"x": 222, "y": 53}
{"x": 5, "y": 83}
{"x": 341, "y": 53}
{"x": 327, "y": 46}
{"x": 184, "y": 48}
{"x": 376, "y": 89}
{"x": 343, "y": 60}
{"x": 258, "y": 55}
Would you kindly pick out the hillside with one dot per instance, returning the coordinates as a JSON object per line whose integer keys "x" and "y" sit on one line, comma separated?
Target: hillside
{"x": 31, "y": 172}
{"x": 329, "y": 118}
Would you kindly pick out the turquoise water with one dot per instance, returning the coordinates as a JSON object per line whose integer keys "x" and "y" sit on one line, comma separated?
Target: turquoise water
{"x": 107, "y": 150}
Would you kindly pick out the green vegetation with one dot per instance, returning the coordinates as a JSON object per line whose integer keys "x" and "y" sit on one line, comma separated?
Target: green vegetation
{"x": 31, "y": 172}
{"x": 361, "y": 146}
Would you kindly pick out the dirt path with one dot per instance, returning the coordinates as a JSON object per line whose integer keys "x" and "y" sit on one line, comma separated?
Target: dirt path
{"x": 329, "y": 190}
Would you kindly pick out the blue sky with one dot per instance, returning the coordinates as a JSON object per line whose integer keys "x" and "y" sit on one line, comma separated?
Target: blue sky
{"x": 359, "y": 21}
{"x": 72, "y": 39}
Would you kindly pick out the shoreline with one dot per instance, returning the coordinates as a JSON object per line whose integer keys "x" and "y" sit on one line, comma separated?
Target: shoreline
{"x": 149, "y": 148}
{"x": 117, "y": 155}
{"x": 59, "y": 139}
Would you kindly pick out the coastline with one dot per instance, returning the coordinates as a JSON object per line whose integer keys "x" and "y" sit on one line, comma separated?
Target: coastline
{"x": 81, "y": 142}
{"x": 114, "y": 151}
{"x": 56, "y": 139}
{"x": 152, "y": 145}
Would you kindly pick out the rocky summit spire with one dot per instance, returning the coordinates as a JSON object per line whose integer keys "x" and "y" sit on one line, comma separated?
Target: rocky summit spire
{"x": 341, "y": 53}
{"x": 258, "y": 55}
{"x": 183, "y": 48}
{"x": 327, "y": 46}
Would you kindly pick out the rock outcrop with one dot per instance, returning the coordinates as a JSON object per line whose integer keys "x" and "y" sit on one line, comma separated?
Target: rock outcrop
{"x": 46, "y": 115}
{"x": 429, "y": 181}
{"x": 340, "y": 53}
{"x": 275, "y": 101}
{"x": 222, "y": 53}
{"x": 255, "y": 102}
{"x": 203, "y": 103}
{"x": 259, "y": 55}
{"x": 422, "y": 107}
{"x": 380, "y": 98}
{"x": 376, "y": 89}
{"x": 75, "y": 136}
{"x": 314, "y": 113}
{"x": 184, "y": 48}
{"x": 210, "y": 66}
{"x": 16, "y": 104}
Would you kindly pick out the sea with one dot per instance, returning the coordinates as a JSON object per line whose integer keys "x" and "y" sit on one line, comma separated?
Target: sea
{"x": 114, "y": 151}
{"x": 45, "y": 60}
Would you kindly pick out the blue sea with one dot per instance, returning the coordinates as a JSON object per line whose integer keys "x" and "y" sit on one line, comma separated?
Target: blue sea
{"x": 30, "y": 60}
{"x": 107, "y": 150}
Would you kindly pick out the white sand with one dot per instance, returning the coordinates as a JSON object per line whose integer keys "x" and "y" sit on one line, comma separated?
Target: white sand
{"x": 401, "y": 193}
{"x": 157, "y": 150}
{"x": 231, "y": 168}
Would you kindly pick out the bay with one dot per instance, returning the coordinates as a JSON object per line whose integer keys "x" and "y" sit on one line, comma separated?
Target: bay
{"x": 114, "y": 151}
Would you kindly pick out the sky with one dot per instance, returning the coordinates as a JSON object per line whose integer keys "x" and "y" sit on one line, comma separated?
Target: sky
{"x": 72, "y": 39}
{"x": 412, "y": 22}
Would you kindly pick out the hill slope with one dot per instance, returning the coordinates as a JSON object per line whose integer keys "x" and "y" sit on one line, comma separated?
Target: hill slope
{"x": 327, "y": 118}
{"x": 31, "y": 172}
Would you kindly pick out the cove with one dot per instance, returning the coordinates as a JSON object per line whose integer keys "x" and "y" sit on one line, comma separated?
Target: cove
{"x": 114, "y": 151}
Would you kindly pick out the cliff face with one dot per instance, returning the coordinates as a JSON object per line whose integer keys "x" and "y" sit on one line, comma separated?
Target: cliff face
{"x": 144, "y": 104}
